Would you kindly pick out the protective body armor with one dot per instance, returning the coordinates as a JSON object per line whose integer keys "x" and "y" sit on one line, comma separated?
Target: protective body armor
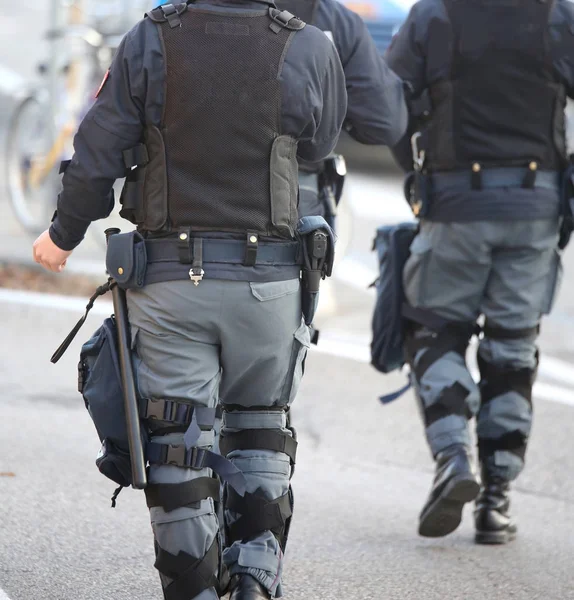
{"x": 502, "y": 104}
{"x": 219, "y": 162}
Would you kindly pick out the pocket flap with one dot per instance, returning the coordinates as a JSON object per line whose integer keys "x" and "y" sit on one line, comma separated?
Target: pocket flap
{"x": 126, "y": 259}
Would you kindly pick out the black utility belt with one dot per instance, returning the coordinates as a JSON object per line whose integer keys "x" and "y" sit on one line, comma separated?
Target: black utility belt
{"x": 129, "y": 255}
{"x": 234, "y": 252}
{"x": 421, "y": 185}
{"x": 480, "y": 178}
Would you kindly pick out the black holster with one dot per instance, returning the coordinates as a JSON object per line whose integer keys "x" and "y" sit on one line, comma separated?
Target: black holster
{"x": 317, "y": 247}
{"x": 416, "y": 190}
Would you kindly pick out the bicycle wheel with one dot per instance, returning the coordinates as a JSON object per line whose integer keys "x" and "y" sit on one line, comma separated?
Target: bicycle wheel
{"x": 33, "y": 198}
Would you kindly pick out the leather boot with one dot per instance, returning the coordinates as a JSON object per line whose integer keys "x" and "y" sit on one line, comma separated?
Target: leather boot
{"x": 491, "y": 516}
{"x": 245, "y": 587}
{"x": 454, "y": 485}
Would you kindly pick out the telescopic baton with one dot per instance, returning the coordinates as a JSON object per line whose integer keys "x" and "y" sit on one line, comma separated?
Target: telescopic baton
{"x": 139, "y": 478}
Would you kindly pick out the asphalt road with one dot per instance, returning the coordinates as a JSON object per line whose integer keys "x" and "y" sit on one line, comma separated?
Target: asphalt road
{"x": 363, "y": 470}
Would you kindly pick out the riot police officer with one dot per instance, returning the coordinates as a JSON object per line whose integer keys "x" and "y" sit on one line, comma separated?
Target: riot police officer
{"x": 206, "y": 108}
{"x": 489, "y": 82}
{"x": 376, "y": 113}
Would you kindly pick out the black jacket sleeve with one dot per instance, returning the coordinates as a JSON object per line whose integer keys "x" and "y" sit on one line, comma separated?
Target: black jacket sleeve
{"x": 376, "y": 112}
{"x": 406, "y": 57}
{"x": 114, "y": 123}
{"x": 561, "y": 25}
{"x": 314, "y": 100}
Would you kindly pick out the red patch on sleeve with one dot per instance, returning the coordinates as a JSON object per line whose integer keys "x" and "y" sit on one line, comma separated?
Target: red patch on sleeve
{"x": 104, "y": 80}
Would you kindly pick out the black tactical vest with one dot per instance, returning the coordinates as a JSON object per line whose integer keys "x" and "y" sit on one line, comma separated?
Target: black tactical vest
{"x": 502, "y": 104}
{"x": 219, "y": 162}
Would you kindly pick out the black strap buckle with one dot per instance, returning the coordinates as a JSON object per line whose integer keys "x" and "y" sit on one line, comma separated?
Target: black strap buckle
{"x": 171, "y": 13}
{"x": 251, "y": 247}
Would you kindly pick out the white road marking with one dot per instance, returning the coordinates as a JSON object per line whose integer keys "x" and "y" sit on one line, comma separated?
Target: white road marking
{"x": 3, "y": 595}
{"x": 335, "y": 343}
{"x": 42, "y": 300}
{"x": 358, "y": 349}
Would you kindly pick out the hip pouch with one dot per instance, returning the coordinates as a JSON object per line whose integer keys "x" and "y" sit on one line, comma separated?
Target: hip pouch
{"x": 99, "y": 382}
{"x": 126, "y": 259}
{"x": 392, "y": 244}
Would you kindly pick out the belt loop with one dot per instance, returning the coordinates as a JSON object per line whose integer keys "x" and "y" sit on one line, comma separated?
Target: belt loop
{"x": 184, "y": 246}
{"x": 476, "y": 177}
{"x": 529, "y": 180}
{"x": 196, "y": 272}
{"x": 251, "y": 246}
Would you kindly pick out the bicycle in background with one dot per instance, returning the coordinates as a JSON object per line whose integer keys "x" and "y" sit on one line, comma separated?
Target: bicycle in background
{"x": 83, "y": 37}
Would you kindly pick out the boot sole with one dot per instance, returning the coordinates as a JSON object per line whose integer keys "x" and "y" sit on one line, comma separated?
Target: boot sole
{"x": 494, "y": 537}
{"x": 445, "y": 514}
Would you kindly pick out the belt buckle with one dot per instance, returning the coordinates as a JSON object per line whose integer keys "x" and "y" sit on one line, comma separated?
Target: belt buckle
{"x": 196, "y": 275}
{"x": 175, "y": 455}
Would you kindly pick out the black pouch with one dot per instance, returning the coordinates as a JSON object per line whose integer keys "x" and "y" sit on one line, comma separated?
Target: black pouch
{"x": 392, "y": 245}
{"x": 101, "y": 387}
{"x": 126, "y": 259}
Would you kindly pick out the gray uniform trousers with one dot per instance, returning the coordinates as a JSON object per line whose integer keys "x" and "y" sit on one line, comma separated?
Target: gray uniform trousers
{"x": 508, "y": 272}
{"x": 245, "y": 344}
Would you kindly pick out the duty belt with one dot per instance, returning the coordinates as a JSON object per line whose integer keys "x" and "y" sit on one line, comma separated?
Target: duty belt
{"x": 491, "y": 178}
{"x": 227, "y": 251}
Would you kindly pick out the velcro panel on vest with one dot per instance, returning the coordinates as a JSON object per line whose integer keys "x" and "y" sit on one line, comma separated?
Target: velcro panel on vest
{"x": 190, "y": 575}
{"x": 258, "y": 515}
{"x": 512, "y": 441}
{"x": 496, "y": 381}
{"x": 452, "y": 401}
{"x": 174, "y": 495}
{"x": 284, "y": 189}
{"x": 155, "y": 200}
{"x": 259, "y": 439}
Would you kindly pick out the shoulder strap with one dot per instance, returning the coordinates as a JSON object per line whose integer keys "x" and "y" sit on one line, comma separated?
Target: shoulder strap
{"x": 283, "y": 19}
{"x": 305, "y": 10}
{"x": 168, "y": 13}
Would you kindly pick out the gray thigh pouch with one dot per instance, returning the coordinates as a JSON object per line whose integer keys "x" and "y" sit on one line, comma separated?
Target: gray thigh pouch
{"x": 553, "y": 283}
{"x": 301, "y": 344}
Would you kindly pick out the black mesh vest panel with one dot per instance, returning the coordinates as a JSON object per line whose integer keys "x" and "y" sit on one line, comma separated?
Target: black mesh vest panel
{"x": 222, "y": 115}
{"x": 502, "y": 104}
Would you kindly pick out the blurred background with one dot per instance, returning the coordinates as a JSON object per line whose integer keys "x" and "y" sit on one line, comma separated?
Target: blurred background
{"x": 363, "y": 470}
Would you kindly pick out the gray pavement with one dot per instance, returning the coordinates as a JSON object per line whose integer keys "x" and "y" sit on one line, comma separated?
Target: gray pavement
{"x": 362, "y": 476}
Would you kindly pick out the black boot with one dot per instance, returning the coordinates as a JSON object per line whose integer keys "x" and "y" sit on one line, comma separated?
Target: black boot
{"x": 245, "y": 587}
{"x": 491, "y": 516}
{"x": 454, "y": 485}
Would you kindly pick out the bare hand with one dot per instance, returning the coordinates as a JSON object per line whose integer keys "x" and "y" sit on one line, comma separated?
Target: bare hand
{"x": 47, "y": 254}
